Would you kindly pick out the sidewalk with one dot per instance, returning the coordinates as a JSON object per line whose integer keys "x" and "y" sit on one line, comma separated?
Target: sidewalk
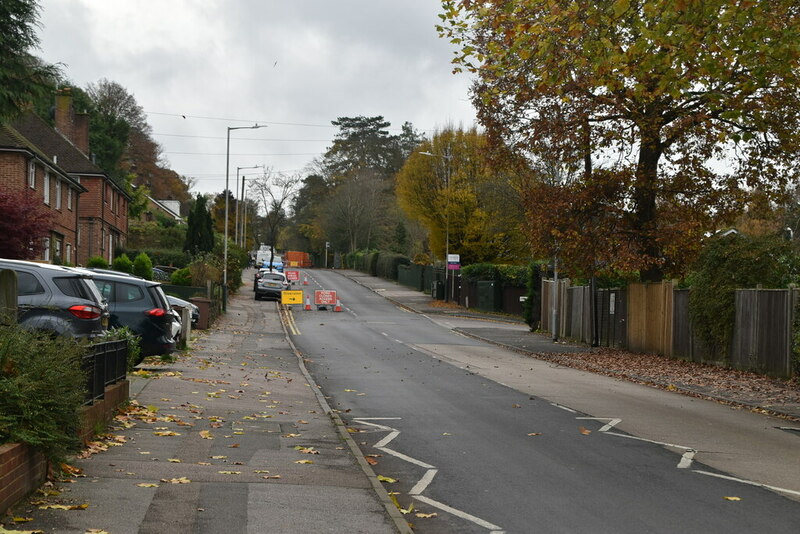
{"x": 747, "y": 390}
{"x": 232, "y": 438}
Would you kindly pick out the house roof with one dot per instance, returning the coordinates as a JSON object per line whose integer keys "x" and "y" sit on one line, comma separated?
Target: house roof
{"x": 51, "y": 143}
{"x": 10, "y": 138}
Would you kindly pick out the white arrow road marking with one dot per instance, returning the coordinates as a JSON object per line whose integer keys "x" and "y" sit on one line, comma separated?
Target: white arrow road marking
{"x": 423, "y": 483}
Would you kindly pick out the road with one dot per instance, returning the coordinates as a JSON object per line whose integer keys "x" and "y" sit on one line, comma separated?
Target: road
{"x": 477, "y": 435}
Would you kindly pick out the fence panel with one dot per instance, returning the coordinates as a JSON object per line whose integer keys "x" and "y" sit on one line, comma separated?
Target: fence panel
{"x": 650, "y": 317}
{"x": 612, "y": 315}
{"x": 104, "y": 364}
{"x": 763, "y": 330}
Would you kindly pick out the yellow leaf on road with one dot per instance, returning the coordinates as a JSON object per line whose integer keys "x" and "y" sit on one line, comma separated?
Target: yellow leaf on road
{"x": 229, "y": 472}
{"x": 83, "y": 506}
{"x": 181, "y": 480}
{"x": 173, "y": 460}
{"x": 166, "y": 433}
{"x": 146, "y": 485}
{"x": 386, "y": 479}
{"x": 206, "y": 434}
{"x": 21, "y": 519}
{"x": 218, "y": 457}
{"x": 425, "y": 516}
{"x": 535, "y": 434}
{"x": 304, "y": 462}
{"x": 732, "y": 498}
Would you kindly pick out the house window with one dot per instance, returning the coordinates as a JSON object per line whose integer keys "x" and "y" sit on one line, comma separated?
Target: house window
{"x": 69, "y": 198}
{"x": 58, "y": 245}
{"x": 68, "y": 254}
{"x": 110, "y": 248}
{"x": 46, "y": 187}
{"x": 32, "y": 174}
{"x": 58, "y": 194}
{"x": 46, "y": 253}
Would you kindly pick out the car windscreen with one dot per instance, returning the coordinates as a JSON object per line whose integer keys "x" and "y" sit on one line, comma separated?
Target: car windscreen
{"x": 273, "y": 276}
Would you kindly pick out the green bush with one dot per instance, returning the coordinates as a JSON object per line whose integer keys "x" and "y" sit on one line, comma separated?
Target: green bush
{"x": 143, "y": 266}
{"x": 97, "y": 262}
{"x": 181, "y": 277}
{"x": 134, "y": 343}
{"x": 480, "y": 272}
{"x": 123, "y": 264}
{"x": 388, "y": 263}
{"x": 42, "y": 387}
{"x": 158, "y": 256}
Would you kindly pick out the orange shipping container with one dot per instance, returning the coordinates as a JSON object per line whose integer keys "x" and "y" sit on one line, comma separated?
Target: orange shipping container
{"x": 293, "y": 258}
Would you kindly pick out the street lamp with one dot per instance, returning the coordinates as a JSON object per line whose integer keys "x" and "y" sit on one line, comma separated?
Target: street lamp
{"x": 225, "y": 244}
{"x": 447, "y": 157}
{"x": 236, "y": 224}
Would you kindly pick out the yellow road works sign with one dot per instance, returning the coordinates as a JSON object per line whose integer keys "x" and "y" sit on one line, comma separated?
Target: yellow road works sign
{"x": 292, "y": 297}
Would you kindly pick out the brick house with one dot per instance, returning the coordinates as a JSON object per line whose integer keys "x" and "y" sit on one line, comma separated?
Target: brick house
{"x": 103, "y": 214}
{"x": 26, "y": 166}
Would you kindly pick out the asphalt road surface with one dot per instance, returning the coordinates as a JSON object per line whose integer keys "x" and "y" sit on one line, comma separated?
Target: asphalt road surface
{"x": 487, "y": 457}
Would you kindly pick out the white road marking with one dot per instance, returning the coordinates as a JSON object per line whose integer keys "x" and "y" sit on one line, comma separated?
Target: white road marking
{"x": 458, "y": 513}
{"x": 570, "y": 410}
{"x": 687, "y": 459}
{"x": 426, "y": 479}
{"x": 612, "y": 422}
{"x": 749, "y": 482}
{"x": 424, "y": 482}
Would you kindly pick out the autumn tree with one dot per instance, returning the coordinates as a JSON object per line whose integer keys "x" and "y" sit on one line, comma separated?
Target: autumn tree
{"x": 453, "y": 190}
{"x": 274, "y": 193}
{"x": 23, "y": 77}
{"x": 688, "y": 105}
{"x": 25, "y": 223}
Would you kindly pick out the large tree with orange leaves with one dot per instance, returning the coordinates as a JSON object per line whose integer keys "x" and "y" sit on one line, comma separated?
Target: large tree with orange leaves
{"x": 680, "y": 108}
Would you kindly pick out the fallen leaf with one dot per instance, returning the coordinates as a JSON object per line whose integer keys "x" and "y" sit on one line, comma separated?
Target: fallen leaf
{"x": 173, "y": 460}
{"x": 83, "y": 506}
{"x": 585, "y": 431}
{"x": 260, "y": 471}
{"x": 304, "y": 462}
{"x": 306, "y": 450}
{"x": 206, "y": 434}
{"x": 234, "y": 446}
{"x": 371, "y": 461}
{"x": 516, "y": 406}
{"x": 446, "y": 434}
{"x": 290, "y": 436}
{"x": 354, "y": 430}
{"x": 425, "y": 516}
{"x": 229, "y": 472}
{"x": 181, "y": 480}
{"x": 166, "y": 433}
{"x": 4, "y": 531}
{"x": 21, "y": 519}
{"x": 271, "y": 476}
{"x": 146, "y": 485}
{"x": 535, "y": 434}
{"x": 732, "y": 498}
{"x": 350, "y": 390}
{"x": 386, "y": 479}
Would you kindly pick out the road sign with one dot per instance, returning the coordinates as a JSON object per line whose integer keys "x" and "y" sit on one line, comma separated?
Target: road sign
{"x": 453, "y": 262}
{"x": 292, "y": 276}
{"x": 291, "y": 297}
{"x": 324, "y": 297}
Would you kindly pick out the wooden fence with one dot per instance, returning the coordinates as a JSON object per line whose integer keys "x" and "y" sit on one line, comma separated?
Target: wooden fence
{"x": 654, "y": 318}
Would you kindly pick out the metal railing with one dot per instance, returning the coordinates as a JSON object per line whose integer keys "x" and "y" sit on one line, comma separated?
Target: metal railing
{"x": 105, "y": 364}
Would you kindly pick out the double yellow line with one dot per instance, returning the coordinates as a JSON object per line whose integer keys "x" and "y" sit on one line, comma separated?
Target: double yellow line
{"x": 288, "y": 319}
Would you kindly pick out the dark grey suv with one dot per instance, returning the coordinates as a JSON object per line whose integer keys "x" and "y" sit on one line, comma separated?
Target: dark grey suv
{"x": 58, "y": 300}
{"x": 141, "y": 305}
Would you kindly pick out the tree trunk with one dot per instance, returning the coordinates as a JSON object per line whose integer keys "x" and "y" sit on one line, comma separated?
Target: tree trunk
{"x": 644, "y": 220}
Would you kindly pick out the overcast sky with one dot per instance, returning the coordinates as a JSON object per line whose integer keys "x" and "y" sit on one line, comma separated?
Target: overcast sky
{"x": 294, "y": 65}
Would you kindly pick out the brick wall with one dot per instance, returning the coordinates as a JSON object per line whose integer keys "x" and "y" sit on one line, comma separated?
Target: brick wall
{"x": 99, "y": 218}
{"x": 22, "y": 471}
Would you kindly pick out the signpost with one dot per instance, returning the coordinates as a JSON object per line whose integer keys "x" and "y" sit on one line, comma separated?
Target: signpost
{"x": 324, "y": 298}
{"x": 292, "y": 297}
{"x": 292, "y": 276}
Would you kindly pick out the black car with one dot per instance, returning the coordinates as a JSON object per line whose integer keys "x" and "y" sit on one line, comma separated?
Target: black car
{"x": 142, "y": 306}
{"x": 61, "y": 301}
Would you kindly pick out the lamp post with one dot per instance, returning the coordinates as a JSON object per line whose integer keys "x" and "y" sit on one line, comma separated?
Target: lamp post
{"x": 236, "y": 223}
{"x": 448, "y": 158}
{"x": 227, "y": 194}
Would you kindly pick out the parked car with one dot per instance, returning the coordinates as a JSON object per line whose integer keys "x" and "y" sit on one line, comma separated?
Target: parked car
{"x": 270, "y": 285}
{"x": 175, "y": 302}
{"x": 142, "y": 306}
{"x": 61, "y": 301}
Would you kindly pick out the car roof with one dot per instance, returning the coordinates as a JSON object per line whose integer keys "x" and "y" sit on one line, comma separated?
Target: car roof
{"x": 45, "y": 266}
{"x": 122, "y": 277}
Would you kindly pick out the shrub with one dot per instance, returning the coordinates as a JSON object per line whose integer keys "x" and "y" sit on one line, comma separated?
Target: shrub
{"x": 97, "y": 262}
{"x": 134, "y": 343}
{"x": 181, "y": 277}
{"x": 480, "y": 272}
{"x": 726, "y": 264}
{"x": 388, "y": 263}
{"x": 143, "y": 266}
{"x": 42, "y": 387}
{"x": 123, "y": 264}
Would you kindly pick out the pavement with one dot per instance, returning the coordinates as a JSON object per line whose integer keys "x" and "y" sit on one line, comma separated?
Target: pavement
{"x": 232, "y": 437}
{"x": 524, "y": 341}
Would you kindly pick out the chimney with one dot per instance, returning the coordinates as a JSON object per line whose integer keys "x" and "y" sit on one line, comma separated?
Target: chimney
{"x": 75, "y": 127}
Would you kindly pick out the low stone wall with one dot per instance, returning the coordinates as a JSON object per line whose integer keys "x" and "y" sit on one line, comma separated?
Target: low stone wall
{"x": 23, "y": 470}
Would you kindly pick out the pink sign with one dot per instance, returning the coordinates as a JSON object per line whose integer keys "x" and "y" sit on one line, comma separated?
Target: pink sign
{"x": 292, "y": 276}
{"x": 324, "y": 297}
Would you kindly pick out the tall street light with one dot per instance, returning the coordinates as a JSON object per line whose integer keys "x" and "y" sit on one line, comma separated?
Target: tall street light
{"x": 227, "y": 194}
{"x": 236, "y": 223}
{"x": 448, "y": 158}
